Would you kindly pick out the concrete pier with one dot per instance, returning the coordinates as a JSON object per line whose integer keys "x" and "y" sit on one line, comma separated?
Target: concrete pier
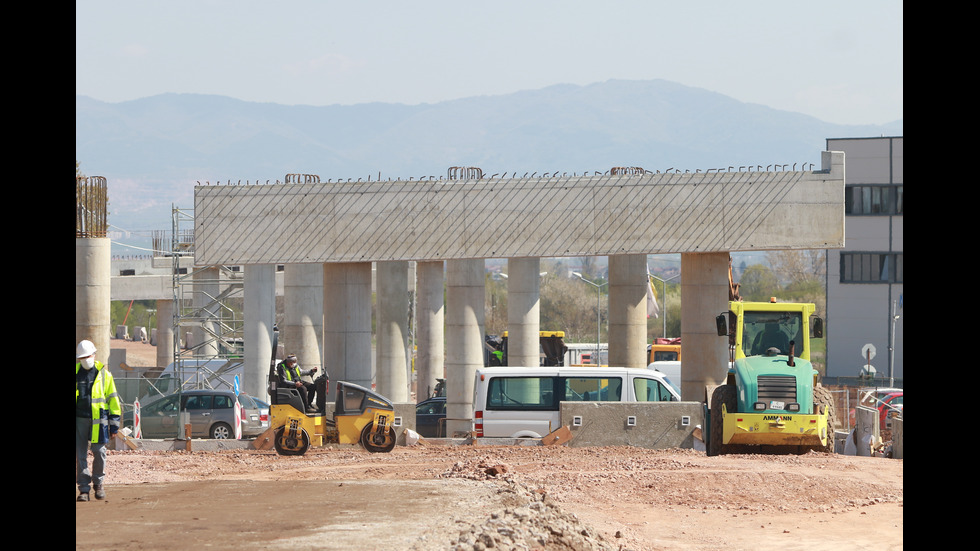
{"x": 523, "y": 311}
{"x": 627, "y": 310}
{"x": 302, "y": 326}
{"x": 206, "y": 291}
{"x": 464, "y": 339}
{"x": 347, "y": 322}
{"x": 260, "y": 315}
{"x": 704, "y": 289}
{"x": 165, "y": 332}
{"x": 92, "y": 292}
{"x": 430, "y": 333}
{"x": 392, "y": 330}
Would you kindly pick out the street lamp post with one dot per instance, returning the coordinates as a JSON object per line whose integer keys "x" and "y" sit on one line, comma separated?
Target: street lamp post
{"x": 598, "y": 324}
{"x": 664, "y": 281}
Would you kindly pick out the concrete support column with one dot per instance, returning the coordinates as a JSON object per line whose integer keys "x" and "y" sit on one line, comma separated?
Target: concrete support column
{"x": 347, "y": 322}
{"x": 165, "y": 332}
{"x": 392, "y": 330}
{"x": 523, "y": 311}
{"x": 704, "y": 295}
{"x": 302, "y": 324}
{"x": 92, "y": 297}
{"x": 465, "y": 312}
{"x": 260, "y": 317}
{"x": 206, "y": 291}
{"x": 430, "y": 362}
{"x": 627, "y": 310}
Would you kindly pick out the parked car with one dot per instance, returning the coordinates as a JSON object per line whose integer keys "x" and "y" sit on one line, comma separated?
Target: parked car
{"x": 888, "y": 402}
{"x": 889, "y": 406}
{"x": 427, "y": 417}
{"x": 212, "y": 415}
{"x": 255, "y": 419}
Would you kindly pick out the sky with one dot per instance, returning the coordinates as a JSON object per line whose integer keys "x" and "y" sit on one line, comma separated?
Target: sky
{"x": 838, "y": 61}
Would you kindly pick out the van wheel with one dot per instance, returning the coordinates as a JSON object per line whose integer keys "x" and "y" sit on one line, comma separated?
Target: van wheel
{"x": 221, "y": 431}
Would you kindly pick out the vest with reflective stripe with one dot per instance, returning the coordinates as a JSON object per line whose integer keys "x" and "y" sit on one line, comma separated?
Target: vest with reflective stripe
{"x": 291, "y": 372}
{"x": 106, "y": 407}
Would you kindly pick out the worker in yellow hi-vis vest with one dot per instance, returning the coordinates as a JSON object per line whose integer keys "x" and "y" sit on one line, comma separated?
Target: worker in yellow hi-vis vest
{"x": 97, "y": 413}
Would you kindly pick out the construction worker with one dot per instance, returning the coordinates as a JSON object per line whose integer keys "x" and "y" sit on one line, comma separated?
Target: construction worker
{"x": 290, "y": 374}
{"x": 97, "y": 413}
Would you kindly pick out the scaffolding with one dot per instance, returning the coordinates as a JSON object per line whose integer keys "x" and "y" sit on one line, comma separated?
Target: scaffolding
{"x": 208, "y": 304}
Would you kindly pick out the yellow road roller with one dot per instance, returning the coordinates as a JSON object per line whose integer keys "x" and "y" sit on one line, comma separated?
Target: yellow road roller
{"x": 360, "y": 416}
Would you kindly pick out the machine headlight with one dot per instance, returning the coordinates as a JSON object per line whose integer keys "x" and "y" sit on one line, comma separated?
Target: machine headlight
{"x": 793, "y": 407}
{"x": 759, "y": 406}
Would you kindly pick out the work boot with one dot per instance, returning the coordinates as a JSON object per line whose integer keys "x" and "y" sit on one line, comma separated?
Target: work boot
{"x": 82, "y": 496}
{"x": 99, "y": 492}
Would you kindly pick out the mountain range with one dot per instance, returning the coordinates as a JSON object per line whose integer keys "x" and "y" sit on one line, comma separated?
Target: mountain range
{"x": 153, "y": 150}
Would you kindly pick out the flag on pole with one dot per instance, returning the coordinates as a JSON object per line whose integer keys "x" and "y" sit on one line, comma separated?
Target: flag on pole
{"x": 653, "y": 310}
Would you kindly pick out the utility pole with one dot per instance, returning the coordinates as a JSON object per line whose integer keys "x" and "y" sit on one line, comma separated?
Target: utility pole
{"x": 891, "y": 346}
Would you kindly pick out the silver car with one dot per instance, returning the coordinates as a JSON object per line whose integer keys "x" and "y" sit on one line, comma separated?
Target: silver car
{"x": 211, "y": 412}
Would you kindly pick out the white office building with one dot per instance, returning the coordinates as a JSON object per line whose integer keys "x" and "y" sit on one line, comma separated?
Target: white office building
{"x": 865, "y": 279}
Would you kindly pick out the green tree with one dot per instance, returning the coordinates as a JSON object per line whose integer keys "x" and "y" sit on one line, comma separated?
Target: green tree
{"x": 672, "y": 312}
{"x": 495, "y": 305}
{"x": 802, "y": 274}
{"x": 569, "y": 305}
{"x": 132, "y": 314}
{"x": 758, "y": 283}
{"x": 798, "y": 266}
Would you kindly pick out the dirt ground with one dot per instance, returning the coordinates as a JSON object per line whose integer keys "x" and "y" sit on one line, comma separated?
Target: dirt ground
{"x": 441, "y": 497}
{"x": 429, "y": 497}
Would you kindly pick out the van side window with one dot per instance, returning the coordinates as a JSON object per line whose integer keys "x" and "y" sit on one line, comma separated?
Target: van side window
{"x": 592, "y": 389}
{"x": 161, "y": 406}
{"x": 650, "y": 390}
{"x": 222, "y": 401}
{"x": 521, "y": 393}
{"x": 198, "y": 402}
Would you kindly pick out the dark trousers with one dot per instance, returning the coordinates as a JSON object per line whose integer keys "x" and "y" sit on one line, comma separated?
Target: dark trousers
{"x": 308, "y": 392}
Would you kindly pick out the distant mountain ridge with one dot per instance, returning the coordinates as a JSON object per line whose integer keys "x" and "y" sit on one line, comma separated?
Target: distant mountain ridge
{"x": 153, "y": 150}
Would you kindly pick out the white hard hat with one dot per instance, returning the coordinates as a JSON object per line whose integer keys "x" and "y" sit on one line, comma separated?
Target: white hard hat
{"x": 85, "y": 348}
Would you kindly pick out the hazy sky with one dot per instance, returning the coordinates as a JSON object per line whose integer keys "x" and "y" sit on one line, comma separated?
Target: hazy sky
{"x": 839, "y": 61}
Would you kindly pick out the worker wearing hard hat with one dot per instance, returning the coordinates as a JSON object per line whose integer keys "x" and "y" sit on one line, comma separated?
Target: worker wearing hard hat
{"x": 290, "y": 374}
{"x": 97, "y": 413}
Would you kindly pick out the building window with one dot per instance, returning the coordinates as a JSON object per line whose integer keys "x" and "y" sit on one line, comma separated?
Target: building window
{"x": 874, "y": 200}
{"x": 872, "y": 268}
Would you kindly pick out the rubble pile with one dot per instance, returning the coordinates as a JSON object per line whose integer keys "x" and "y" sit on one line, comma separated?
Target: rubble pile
{"x": 533, "y": 521}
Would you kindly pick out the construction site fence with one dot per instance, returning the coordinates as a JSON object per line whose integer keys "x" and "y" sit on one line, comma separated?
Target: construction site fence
{"x": 847, "y": 397}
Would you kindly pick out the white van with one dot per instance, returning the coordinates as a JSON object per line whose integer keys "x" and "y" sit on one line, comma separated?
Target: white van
{"x": 671, "y": 371}
{"x": 525, "y": 402}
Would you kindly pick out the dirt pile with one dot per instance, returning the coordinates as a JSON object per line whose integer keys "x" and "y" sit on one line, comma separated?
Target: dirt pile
{"x": 535, "y": 521}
